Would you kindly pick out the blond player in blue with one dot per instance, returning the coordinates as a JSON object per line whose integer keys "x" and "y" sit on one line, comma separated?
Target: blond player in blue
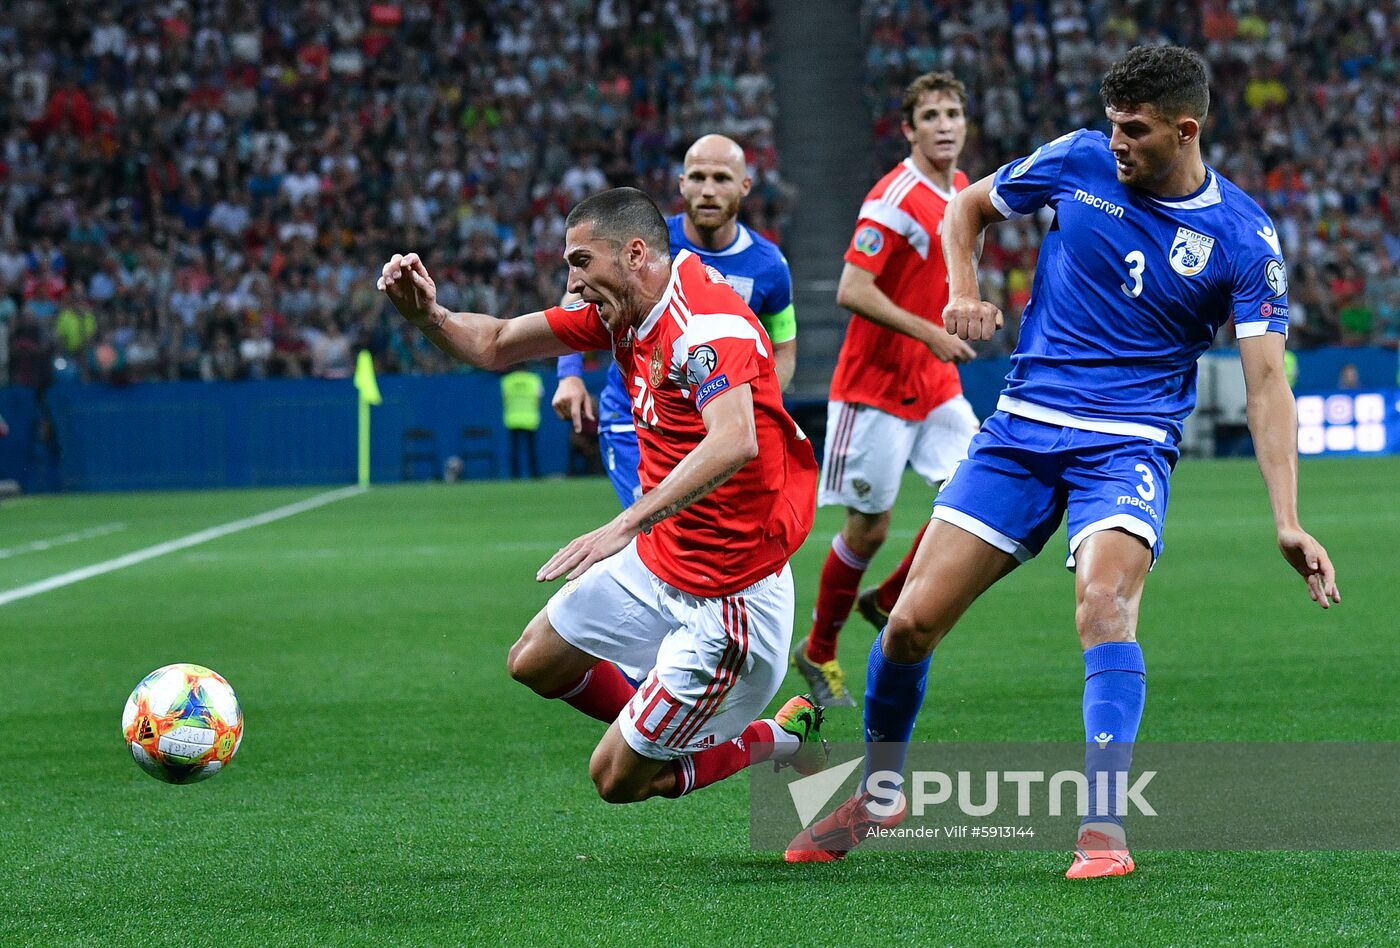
{"x": 1150, "y": 253}
{"x": 714, "y": 182}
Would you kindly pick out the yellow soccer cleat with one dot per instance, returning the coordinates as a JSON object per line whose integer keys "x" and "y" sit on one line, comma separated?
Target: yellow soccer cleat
{"x": 827, "y": 680}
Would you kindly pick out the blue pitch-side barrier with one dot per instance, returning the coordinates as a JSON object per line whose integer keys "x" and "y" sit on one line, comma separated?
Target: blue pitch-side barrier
{"x": 279, "y": 432}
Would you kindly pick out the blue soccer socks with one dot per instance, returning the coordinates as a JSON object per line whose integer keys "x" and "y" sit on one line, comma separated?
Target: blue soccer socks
{"x": 894, "y": 693}
{"x": 1115, "y": 687}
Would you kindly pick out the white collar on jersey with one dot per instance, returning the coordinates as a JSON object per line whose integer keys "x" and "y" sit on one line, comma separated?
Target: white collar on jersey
{"x": 941, "y": 192}
{"x": 1208, "y": 196}
{"x": 655, "y": 315}
{"x": 742, "y": 242}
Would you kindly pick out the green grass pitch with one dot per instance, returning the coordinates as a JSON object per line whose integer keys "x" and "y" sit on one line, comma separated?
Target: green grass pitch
{"x": 396, "y": 787}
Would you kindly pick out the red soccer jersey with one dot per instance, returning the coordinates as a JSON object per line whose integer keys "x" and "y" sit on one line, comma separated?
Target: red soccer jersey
{"x": 698, "y": 341}
{"x": 897, "y": 238}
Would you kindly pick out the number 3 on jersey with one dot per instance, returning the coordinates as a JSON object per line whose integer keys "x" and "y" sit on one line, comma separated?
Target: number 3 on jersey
{"x": 1136, "y": 264}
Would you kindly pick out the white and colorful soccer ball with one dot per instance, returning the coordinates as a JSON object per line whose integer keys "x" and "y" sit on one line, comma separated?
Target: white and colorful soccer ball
{"x": 183, "y": 723}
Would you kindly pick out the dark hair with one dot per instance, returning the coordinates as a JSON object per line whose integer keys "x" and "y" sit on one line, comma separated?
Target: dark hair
{"x": 1170, "y": 79}
{"x": 931, "y": 82}
{"x": 620, "y": 215}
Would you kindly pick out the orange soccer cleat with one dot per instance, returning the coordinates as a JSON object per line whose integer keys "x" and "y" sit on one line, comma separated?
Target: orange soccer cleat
{"x": 834, "y": 836}
{"x": 1097, "y": 855}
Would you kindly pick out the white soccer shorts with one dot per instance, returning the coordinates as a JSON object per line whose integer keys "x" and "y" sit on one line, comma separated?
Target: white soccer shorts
{"x": 708, "y": 666}
{"x": 867, "y": 450}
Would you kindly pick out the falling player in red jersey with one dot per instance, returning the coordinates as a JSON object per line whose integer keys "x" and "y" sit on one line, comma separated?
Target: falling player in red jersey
{"x": 895, "y": 398}
{"x": 688, "y": 590}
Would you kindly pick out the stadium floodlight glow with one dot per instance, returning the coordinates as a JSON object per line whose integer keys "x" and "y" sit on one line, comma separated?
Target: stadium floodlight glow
{"x": 1341, "y": 438}
{"x": 1310, "y": 410}
{"x": 1370, "y": 438}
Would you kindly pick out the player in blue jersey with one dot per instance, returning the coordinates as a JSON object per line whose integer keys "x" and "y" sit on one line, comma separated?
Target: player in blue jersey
{"x": 713, "y": 183}
{"x": 1150, "y": 253}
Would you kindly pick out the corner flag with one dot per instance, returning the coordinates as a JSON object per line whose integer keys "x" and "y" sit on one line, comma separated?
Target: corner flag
{"x": 364, "y": 379}
{"x": 368, "y": 388}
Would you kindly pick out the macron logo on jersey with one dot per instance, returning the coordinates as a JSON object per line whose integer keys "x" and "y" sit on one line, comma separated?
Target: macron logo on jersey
{"x": 1270, "y": 237}
{"x": 1093, "y": 200}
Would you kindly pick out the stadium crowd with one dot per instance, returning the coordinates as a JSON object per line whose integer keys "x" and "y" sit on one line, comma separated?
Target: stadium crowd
{"x": 1305, "y": 117}
{"x": 201, "y": 189}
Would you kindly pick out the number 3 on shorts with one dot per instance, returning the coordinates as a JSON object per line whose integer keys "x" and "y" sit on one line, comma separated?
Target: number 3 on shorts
{"x": 1148, "y": 488}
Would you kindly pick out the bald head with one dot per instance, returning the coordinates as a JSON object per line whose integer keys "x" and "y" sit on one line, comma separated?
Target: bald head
{"x": 716, "y": 150}
{"x": 713, "y": 182}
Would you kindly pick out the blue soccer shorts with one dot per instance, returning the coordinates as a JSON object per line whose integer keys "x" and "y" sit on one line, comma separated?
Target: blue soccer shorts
{"x": 1021, "y": 478}
{"x": 622, "y": 458}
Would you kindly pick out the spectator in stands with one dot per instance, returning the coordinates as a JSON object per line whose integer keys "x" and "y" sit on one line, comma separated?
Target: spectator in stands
{"x": 9, "y": 311}
{"x": 331, "y": 354}
{"x": 1383, "y": 296}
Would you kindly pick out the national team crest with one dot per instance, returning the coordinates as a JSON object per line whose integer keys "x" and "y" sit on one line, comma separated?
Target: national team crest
{"x": 658, "y": 367}
{"x": 741, "y": 285}
{"x": 1190, "y": 251}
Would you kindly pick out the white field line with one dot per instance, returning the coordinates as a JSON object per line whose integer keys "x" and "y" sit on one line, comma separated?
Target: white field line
{"x": 171, "y": 546}
{"x": 459, "y": 550}
{"x": 37, "y": 545}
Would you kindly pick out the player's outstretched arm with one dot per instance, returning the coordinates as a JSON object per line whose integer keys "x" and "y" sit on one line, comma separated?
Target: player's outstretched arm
{"x": 474, "y": 338}
{"x": 857, "y": 292}
{"x": 967, "y": 315}
{"x": 1273, "y": 421}
{"x": 730, "y": 442}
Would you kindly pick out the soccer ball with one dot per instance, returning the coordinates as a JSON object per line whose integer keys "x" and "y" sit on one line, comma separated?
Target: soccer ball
{"x": 182, "y": 723}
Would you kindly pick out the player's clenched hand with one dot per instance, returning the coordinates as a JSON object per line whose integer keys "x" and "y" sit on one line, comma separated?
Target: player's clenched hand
{"x": 1308, "y": 557}
{"x": 574, "y": 559}
{"x": 406, "y": 282}
{"x": 948, "y": 348}
{"x": 571, "y": 402}
{"x": 969, "y": 318}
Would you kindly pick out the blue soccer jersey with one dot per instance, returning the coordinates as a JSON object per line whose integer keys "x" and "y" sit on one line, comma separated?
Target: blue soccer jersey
{"x": 1130, "y": 289}
{"x": 756, "y": 269}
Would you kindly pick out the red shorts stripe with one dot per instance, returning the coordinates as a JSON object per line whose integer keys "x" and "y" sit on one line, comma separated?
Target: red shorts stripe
{"x": 713, "y": 686}
{"x": 845, "y": 428}
{"x": 726, "y": 676}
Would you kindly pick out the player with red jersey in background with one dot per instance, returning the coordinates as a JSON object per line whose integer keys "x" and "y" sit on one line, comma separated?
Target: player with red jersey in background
{"x": 896, "y": 398}
{"x": 689, "y": 589}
